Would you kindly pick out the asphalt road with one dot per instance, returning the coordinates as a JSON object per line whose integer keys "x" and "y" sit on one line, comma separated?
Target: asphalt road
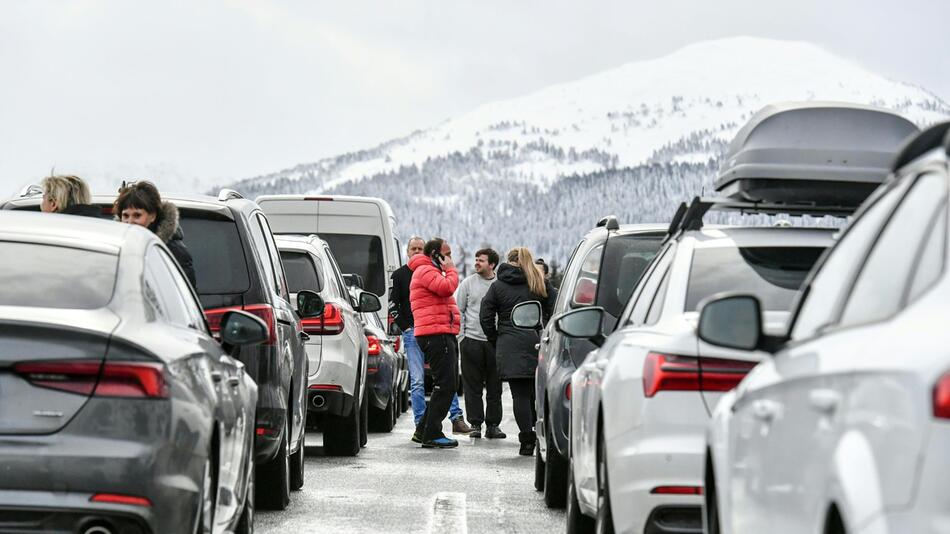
{"x": 396, "y": 486}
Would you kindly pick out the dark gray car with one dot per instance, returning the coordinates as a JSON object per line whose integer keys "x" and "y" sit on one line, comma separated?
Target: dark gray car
{"x": 119, "y": 411}
{"x": 602, "y": 271}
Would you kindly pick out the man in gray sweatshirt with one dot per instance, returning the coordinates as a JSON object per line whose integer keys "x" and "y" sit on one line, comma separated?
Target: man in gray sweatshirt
{"x": 479, "y": 371}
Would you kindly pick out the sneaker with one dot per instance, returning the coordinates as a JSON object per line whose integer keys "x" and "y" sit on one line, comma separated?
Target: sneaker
{"x": 476, "y": 431}
{"x": 440, "y": 443}
{"x": 494, "y": 432}
{"x": 416, "y": 437}
{"x": 527, "y": 449}
{"x": 459, "y": 427}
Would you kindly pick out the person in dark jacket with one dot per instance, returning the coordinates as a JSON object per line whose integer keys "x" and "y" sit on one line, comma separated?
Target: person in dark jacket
{"x": 516, "y": 354}
{"x": 68, "y": 195}
{"x": 140, "y": 203}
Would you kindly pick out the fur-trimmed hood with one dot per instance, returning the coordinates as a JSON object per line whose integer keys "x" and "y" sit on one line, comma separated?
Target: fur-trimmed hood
{"x": 166, "y": 224}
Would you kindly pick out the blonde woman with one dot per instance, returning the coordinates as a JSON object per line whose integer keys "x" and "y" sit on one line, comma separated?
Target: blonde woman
{"x": 517, "y": 281}
{"x": 68, "y": 195}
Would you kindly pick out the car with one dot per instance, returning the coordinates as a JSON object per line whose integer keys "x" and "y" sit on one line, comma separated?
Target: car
{"x": 336, "y": 346}
{"x": 602, "y": 271}
{"x": 386, "y": 373}
{"x": 119, "y": 409}
{"x": 238, "y": 267}
{"x": 359, "y": 230}
{"x": 846, "y": 428}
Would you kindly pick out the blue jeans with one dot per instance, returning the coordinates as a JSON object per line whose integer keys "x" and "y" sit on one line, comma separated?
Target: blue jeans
{"x": 417, "y": 380}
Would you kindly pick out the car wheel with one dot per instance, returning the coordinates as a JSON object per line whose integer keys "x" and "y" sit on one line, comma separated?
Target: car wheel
{"x": 341, "y": 437}
{"x": 384, "y": 420}
{"x": 605, "y": 519}
{"x": 274, "y": 485}
{"x": 555, "y": 473}
{"x": 246, "y": 523}
{"x": 297, "y": 464}
{"x": 394, "y": 407}
{"x": 364, "y": 419}
{"x": 538, "y": 470}
{"x": 577, "y": 522}
{"x": 404, "y": 400}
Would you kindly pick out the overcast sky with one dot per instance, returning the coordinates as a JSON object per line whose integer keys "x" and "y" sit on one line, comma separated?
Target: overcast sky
{"x": 213, "y": 91}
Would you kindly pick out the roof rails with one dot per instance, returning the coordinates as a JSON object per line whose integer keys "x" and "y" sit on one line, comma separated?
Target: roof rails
{"x": 690, "y": 216}
{"x": 610, "y": 222}
{"x": 31, "y": 190}
{"x": 918, "y": 145}
{"x": 228, "y": 194}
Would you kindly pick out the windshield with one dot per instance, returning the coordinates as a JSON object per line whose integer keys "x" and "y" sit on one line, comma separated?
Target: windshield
{"x": 49, "y": 276}
{"x": 773, "y": 274}
{"x": 362, "y": 255}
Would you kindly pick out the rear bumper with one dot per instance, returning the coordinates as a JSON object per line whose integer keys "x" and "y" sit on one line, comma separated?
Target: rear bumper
{"x": 329, "y": 402}
{"x": 69, "y": 513}
{"x": 336, "y": 369}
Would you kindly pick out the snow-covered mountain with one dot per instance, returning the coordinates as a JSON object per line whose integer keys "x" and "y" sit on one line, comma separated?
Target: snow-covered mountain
{"x": 541, "y": 169}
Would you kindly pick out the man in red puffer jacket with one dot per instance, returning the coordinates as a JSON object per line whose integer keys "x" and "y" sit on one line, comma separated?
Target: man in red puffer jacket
{"x": 436, "y": 321}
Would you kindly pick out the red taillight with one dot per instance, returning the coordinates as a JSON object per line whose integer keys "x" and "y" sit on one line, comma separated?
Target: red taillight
{"x": 114, "y": 498}
{"x": 267, "y": 431}
{"x": 372, "y": 343}
{"x": 326, "y": 387}
{"x": 264, "y": 311}
{"x": 567, "y": 391}
{"x": 585, "y": 291}
{"x": 942, "y": 397}
{"x": 112, "y": 379}
{"x": 668, "y": 372}
{"x": 328, "y": 324}
{"x": 397, "y": 343}
{"x": 677, "y": 490}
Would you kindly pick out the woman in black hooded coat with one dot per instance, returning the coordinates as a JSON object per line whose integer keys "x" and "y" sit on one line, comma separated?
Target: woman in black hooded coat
{"x": 516, "y": 354}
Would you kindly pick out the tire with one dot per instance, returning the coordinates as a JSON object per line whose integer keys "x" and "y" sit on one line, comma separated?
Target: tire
{"x": 555, "y": 473}
{"x": 341, "y": 437}
{"x": 605, "y": 519}
{"x": 297, "y": 464}
{"x": 206, "y": 502}
{"x": 364, "y": 418}
{"x": 577, "y": 522}
{"x": 384, "y": 420}
{"x": 246, "y": 523}
{"x": 405, "y": 399}
{"x": 538, "y": 470}
{"x": 273, "y": 487}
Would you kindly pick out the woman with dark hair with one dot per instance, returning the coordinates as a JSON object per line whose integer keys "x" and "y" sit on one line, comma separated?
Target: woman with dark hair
{"x": 140, "y": 203}
{"x": 517, "y": 281}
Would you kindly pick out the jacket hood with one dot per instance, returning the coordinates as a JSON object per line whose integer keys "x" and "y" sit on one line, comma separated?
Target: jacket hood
{"x": 85, "y": 210}
{"x": 418, "y": 261}
{"x": 510, "y": 274}
{"x": 166, "y": 224}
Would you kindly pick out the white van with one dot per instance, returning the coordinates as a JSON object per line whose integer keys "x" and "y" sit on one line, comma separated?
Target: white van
{"x": 359, "y": 230}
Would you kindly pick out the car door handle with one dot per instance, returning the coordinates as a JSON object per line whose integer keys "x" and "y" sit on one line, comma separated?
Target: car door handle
{"x": 234, "y": 381}
{"x": 304, "y": 336}
{"x": 764, "y": 410}
{"x": 216, "y": 376}
{"x": 824, "y": 400}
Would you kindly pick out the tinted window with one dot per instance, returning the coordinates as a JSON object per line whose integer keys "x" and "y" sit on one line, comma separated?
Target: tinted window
{"x": 301, "y": 271}
{"x": 192, "y": 307}
{"x": 564, "y": 295}
{"x": 879, "y": 290}
{"x": 625, "y": 260}
{"x": 649, "y": 286}
{"x": 48, "y": 276}
{"x": 218, "y": 256}
{"x": 362, "y": 255}
{"x": 773, "y": 274}
{"x": 161, "y": 291}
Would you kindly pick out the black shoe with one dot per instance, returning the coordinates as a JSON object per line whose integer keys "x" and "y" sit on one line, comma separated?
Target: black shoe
{"x": 527, "y": 449}
{"x": 440, "y": 443}
{"x": 476, "y": 431}
{"x": 417, "y": 437}
{"x": 493, "y": 432}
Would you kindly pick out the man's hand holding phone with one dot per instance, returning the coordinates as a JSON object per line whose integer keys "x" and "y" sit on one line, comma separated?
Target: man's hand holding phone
{"x": 447, "y": 263}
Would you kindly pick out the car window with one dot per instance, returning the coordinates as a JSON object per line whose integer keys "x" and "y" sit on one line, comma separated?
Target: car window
{"x": 832, "y": 279}
{"x": 567, "y": 287}
{"x": 585, "y": 286}
{"x": 773, "y": 274}
{"x": 362, "y": 255}
{"x": 217, "y": 254}
{"x": 879, "y": 289}
{"x": 626, "y": 257}
{"x": 648, "y": 287}
{"x": 281, "y": 286}
{"x": 931, "y": 257}
{"x": 260, "y": 247}
{"x": 192, "y": 307}
{"x": 161, "y": 290}
{"x": 49, "y": 276}
{"x": 302, "y": 272}
{"x": 656, "y": 307}
{"x": 338, "y": 277}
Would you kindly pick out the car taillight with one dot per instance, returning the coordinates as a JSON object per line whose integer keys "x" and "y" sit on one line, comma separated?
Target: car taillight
{"x": 397, "y": 343}
{"x": 111, "y": 379}
{"x": 669, "y": 372}
{"x": 567, "y": 391}
{"x": 264, "y": 311}
{"x": 372, "y": 343}
{"x": 585, "y": 291}
{"x": 942, "y": 397}
{"x": 114, "y": 498}
{"x": 677, "y": 490}
{"x": 328, "y": 324}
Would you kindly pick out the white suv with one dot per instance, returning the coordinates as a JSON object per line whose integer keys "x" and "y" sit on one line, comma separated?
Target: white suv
{"x": 847, "y": 427}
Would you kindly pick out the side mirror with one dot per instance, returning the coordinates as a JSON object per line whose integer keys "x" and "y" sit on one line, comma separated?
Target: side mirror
{"x": 583, "y": 323}
{"x": 393, "y": 330}
{"x": 353, "y": 280}
{"x": 732, "y": 321}
{"x": 239, "y": 328}
{"x": 527, "y": 315}
{"x": 309, "y": 304}
{"x": 369, "y": 303}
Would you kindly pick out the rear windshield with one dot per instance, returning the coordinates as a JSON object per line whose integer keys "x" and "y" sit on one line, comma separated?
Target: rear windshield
{"x": 301, "y": 272}
{"x": 362, "y": 255}
{"x": 773, "y": 274}
{"x": 626, "y": 257}
{"x": 217, "y": 254}
{"x": 48, "y": 276}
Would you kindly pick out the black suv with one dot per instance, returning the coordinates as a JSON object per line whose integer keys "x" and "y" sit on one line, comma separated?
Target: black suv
{"x": 603, "y": 270}
{"x": 238, "y": 267}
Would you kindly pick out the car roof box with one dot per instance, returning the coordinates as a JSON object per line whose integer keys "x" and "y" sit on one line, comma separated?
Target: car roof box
{"x": 817, "y": 153}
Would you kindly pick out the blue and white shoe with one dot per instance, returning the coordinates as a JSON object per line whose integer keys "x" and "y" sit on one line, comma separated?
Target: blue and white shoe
{"x": 440, "y": 443}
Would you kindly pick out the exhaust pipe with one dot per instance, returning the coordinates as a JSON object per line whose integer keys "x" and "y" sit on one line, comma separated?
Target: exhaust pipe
{"x": 318, "y": 401}
{"x": 96, "y": 529}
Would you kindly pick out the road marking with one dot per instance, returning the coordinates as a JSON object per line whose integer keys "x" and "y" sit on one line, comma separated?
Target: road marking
{"x": 448, "y": 514}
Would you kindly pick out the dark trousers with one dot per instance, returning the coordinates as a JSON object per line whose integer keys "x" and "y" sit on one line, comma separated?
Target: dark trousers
{"x": 522, "y": 403}
{"x": 480, "y": 372}
{"x": 441, "y": 352}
